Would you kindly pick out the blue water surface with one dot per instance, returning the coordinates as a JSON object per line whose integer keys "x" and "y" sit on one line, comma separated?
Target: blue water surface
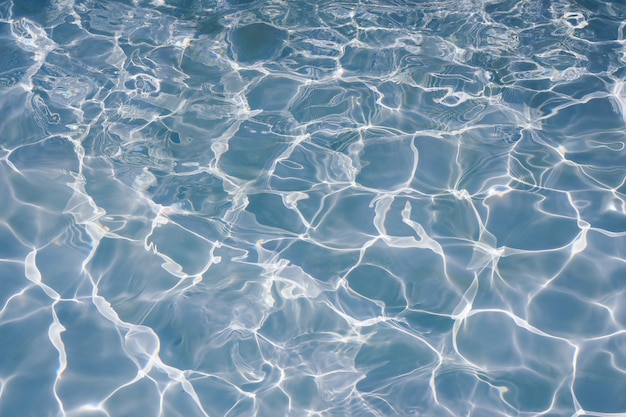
{"x": 312, "y": 208}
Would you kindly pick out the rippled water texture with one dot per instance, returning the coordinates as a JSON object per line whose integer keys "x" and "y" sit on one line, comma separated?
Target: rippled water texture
{"x": 312, "y": 208}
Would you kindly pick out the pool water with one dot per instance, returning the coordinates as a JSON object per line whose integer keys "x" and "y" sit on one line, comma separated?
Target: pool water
{"x": 312, "y": 208}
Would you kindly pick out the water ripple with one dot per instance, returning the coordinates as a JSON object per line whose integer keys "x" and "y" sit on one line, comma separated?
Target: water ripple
{"x": 245, "y": 208}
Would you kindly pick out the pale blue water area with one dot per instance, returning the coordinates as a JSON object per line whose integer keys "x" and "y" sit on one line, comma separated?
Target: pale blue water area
{"x": 312, "y": 208}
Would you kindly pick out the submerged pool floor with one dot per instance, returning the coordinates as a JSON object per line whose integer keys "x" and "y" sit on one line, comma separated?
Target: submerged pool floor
{"x": 312, "y": 208}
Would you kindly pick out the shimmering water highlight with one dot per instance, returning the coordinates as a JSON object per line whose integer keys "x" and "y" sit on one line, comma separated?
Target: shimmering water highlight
{"x": 298, "y": 208}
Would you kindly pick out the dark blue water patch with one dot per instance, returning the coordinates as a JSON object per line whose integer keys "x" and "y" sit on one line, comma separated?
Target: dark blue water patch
{"x": 349, "y": 212}
{"x": 55, "y": 153}
{"x": 251, "y": 151}
{"x": 355, "y": 305}
{"x": 526, "y": 390}
{"x": 437, "y": 325}
{"x": 35, "y": 225}
{"x": 67, "y": 278}
{"x": 110, "y": 254}
{"x": 586, "y": 280}
{"x": 311, "y": 207}
{"x": 336, "y": 138}
{"x": 560, "y": 60}
{"x": 269, "y": 210}
{"x": 454, "y": 386}
{"x": 440, "y": 216}
{"x": 124, "y": 402}
{"x": 189, "y": 253}
{"x": 306, "y": 165}
{"x": 105, "y": 18}
{"x": 434, "y": 168}
{"x": 272, "y": 93}
{"x": 376, "y": 283}
{"x": 388, "y": 355}
{"x": 314, "y": 102}
{"x": 40, "y": 11}
{"x": 11, "y": 78}
{"x": 603, "y": 57}
{"x": 579, "y": 119}
{"x": 602, "y": 156}
{"x": 199, "y": 193}
{"x": 32, "y": 360}
{"x": 256, "y": 42}
{"x": 370, "y": 62}
{"x": 497, "y": 65}
{"x": 217, "y": 396}
{"x": 423, "y": 274}
{"x": 240, "y": 2}
{"x": 599, "y": 380}
{"x": 584, "y": 319}
{"x": 323, "y": 263}
{"x": 512, "y": 226}
{"x": 310, "y": 319}
{"x": 600, "y": 28}
{"x": 68, "y": 32}
{"x": 92, "y": 368}
{"x": 386, "y": 164}
{"x": 601, "y": 210}
{"x": 12, "y": 58}
{"x": 320, "y": 42}
{"x": 12, "y": 273}
{"x": 10, "y": 245}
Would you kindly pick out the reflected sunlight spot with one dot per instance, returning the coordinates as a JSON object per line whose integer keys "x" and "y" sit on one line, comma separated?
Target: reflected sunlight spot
{"x": 498, "y": 192}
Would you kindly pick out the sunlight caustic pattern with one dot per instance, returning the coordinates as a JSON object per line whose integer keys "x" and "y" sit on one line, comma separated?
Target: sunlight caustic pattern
{"x": 302, "y": 208}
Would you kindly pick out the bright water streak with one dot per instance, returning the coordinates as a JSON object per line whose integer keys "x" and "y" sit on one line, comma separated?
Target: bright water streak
{"x": 296, "y": 208}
